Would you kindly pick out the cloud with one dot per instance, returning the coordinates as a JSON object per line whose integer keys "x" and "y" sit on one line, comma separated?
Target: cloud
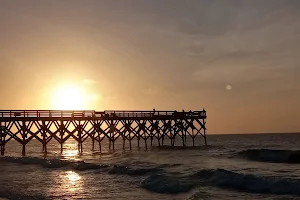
{"x": 154, "y": 91}
{"x": 89, "y": 81}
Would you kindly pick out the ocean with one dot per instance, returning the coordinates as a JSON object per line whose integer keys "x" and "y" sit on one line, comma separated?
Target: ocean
{"x": 253, "y": 166}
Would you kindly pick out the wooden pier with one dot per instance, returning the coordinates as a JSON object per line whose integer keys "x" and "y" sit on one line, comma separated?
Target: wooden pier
{"x": 45, "y": 125}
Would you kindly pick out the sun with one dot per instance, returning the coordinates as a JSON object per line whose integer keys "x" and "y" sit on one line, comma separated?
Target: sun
{"x": 68, "y": 97}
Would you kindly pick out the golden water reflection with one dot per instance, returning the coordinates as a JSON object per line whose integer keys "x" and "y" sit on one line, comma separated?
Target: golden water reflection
{"x": 73, "y": 177}
{"x": 70, "y": 151}
{"x": 72, "y": 182}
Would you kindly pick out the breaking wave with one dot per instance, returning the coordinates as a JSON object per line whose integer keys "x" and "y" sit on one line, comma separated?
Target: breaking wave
{"x": 53, "y": 163}
{"x": 168, "y": 184}
{"x": 270, "y": 155}
{"x": 47, "y": 163}
{"x": 250, "y": 183}
{"x": 125, "y": 169}
{"x": 224, "y": 179}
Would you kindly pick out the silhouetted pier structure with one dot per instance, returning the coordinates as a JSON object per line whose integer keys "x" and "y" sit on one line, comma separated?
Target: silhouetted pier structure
{"x": 60, "y": 125}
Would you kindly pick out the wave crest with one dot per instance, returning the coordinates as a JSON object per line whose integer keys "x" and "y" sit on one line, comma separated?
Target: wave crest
{"x": 125, "y": 169}
{"x": 160, "y": 183}
{"x": 53, "y": 163}
{"x": 250, "y": 183}
{"x": 223, "y": 179}
{"x": 270, "y": 155}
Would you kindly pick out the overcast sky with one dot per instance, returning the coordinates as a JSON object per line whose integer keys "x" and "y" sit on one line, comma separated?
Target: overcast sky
{"x": 240, "y": 60}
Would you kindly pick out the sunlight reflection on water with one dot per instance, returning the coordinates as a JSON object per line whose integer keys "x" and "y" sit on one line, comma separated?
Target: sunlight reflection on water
{"x": 71, "y": 151}
{"x": 73, "y": 177}
{"x": 71, "y": 181}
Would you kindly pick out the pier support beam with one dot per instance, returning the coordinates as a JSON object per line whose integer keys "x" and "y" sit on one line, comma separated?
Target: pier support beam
{"x": 151, "y": 137}
{"x": 79, "y": 129}
{"x": 23, "y": 149}
{"x": 93, "y": 144}
{"x": 204, "y": 131}
{"x": 174, "y": 141}
{"x": 62, "y": 132}
{"x": 158, "y": 141}
{"x": 97, "y": 128}
{"x": 111, "y": 130}
{"x": 2, "y": 148}
{"x": 99, "y": 140}
{"x": 24, "y": 136}
{"x": 182, "y": 131}
{"x": 44, "y": 135}
{"x": 2, "y": 138}
{"x": 183, "y": 137}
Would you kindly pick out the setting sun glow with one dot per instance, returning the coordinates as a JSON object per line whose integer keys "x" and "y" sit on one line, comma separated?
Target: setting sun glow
{"x": 69, "y": 97}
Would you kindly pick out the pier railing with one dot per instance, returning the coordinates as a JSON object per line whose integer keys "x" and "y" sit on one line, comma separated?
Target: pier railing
{"x": 97, "y": 114}
{"x": 45, "y": 113}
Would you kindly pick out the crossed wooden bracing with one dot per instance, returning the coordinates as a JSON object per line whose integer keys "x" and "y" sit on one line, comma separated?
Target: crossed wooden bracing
{"x": 44, "y": 126}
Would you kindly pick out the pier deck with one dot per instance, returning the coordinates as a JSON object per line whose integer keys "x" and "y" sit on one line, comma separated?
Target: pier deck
{"x": 60, "y": 125}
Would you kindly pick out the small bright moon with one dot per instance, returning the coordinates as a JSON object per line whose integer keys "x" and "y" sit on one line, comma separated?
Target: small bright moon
{"x": 68, "y": 97}
{"x": 228, "y": 87}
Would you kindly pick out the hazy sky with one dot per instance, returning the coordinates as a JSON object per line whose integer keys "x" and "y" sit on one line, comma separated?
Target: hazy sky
{"x": 157, "y": 53}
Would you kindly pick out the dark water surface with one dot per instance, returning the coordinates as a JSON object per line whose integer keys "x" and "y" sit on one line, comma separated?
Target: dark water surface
{"x": 260, "y": 166}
